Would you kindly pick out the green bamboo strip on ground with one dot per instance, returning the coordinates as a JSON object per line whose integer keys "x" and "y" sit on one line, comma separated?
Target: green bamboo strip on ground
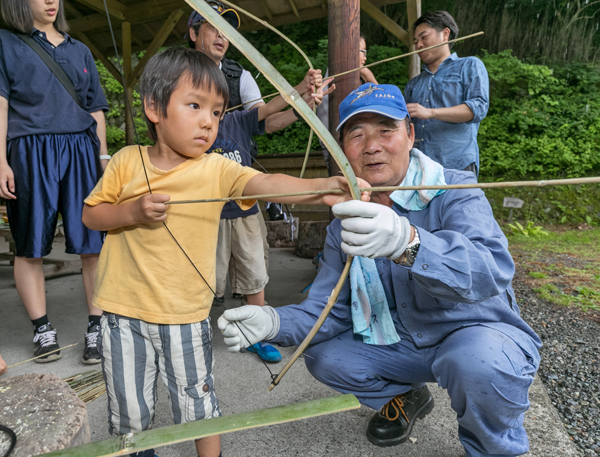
{"x": 201, "y": 429}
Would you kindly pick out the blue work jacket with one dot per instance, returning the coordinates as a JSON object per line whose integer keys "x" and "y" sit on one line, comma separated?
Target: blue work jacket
{"x": 457, "y": 81}
{"x": 461, "y": 277}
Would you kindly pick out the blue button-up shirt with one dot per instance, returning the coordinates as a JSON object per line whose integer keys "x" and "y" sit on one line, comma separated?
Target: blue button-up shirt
{"x": 461, "y": 277}
{"x": 38, "y": 102}
{"x": 457, "y": 81}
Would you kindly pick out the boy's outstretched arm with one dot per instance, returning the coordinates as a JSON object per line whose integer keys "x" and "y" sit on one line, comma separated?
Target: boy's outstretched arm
{"x": 108, "y": 216}
{"x": 279, "y": 183}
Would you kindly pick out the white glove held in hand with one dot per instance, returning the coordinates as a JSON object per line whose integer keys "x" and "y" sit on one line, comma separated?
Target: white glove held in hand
{"x": 258, "y": 324}
{"x": 372, "y": 230}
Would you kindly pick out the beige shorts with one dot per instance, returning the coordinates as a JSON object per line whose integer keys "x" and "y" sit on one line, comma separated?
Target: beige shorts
{"x": 241, "y": 251}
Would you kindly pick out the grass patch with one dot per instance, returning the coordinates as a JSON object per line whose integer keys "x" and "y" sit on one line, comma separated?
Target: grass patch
{"x": 562, "y": 267}
{"x": 537, "y": 274}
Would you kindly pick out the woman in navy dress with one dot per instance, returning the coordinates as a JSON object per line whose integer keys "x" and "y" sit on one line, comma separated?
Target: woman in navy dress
{"x": 52, "y": 152}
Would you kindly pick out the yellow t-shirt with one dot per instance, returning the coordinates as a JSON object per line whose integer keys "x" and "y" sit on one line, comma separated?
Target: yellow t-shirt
{"x": 142, "y": 273}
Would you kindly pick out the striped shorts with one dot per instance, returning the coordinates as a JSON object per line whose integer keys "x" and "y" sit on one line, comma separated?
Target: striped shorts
{"x": 135, "y": 352}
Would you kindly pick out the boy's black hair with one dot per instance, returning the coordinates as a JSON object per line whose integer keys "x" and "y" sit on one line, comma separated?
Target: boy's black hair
{"x": 164, "y": 71}
{"x": 439, "y": 20}
{"x": 18, "y": 15}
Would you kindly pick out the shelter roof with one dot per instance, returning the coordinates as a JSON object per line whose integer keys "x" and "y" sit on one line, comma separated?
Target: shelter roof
{"x": 88, "y": 22}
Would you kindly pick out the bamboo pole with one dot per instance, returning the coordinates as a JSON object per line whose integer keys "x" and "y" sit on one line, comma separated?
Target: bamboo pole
{"x": 173, "y": 434}
{"x": 485, "y": 185}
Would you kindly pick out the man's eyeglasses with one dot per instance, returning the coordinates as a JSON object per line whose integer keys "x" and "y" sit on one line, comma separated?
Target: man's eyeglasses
{"x": 364, "y": 51}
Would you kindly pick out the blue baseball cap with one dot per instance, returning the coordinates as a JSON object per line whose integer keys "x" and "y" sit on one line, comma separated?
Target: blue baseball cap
{"x": 384, "y": 99}
{"x": 229, "y": 14}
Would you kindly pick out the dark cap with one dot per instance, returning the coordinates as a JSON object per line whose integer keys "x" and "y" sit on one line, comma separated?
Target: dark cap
{"x": 230, "y": 15}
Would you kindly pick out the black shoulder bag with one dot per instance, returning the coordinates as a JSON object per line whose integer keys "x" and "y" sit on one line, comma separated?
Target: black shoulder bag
{"x": 52, "y": 65}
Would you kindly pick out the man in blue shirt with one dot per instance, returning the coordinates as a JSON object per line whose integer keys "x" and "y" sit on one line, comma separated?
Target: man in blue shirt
{"x": 439, "y": 264}
{"x": 449, "y": 99}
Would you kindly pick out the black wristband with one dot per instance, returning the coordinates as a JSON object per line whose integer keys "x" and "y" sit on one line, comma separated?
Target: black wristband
{"x": 296, "y": 114}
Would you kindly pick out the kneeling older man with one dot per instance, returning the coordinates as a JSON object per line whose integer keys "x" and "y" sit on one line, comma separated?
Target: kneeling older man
{"x": 429, "y": 297}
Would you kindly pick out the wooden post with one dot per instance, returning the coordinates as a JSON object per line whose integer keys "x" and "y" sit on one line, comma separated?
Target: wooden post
{"x": 414, "y": 12}
{"x": 344, "y": 41}
{"x": 126, "y": 43}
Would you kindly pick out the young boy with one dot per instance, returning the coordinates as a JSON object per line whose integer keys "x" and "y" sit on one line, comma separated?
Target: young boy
{"x": 240, "y": 247}
{"x": 156, "y": 307}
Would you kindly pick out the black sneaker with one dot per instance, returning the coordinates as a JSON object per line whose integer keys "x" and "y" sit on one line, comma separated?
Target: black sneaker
{"x": 44, "y": 340}
{"x": 393, "y": 424}
{"x": 234, "y": 295}
{"x": 91, "y": 354}
{"x": 218, "y": 300}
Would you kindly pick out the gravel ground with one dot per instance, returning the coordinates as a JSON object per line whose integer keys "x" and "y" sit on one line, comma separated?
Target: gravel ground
{"x": 570, "y": 367}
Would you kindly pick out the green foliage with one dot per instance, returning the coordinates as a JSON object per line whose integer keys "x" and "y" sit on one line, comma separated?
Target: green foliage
{"x": 530, "y": 229}
{"x": 542, "y": 122}
{"x": 564, "y": 204}
{"x": 292, "y": 66}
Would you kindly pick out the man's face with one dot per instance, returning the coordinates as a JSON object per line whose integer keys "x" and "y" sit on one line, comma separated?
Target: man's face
{"x": 210, "y": 42}
{"x": 426, "y": 36}
{"x": 192, "y": 121}
{"x": 378, "y": 148}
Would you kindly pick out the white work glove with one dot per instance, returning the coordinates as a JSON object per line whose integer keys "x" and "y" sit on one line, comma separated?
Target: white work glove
{"x": 372, "y": 230}
{"x": 258, "y": 323}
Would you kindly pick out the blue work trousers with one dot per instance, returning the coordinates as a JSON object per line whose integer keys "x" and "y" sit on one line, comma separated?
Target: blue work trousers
{"x": 487, "y": 376}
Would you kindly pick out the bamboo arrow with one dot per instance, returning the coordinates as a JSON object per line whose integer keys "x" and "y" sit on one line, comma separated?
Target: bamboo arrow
{"x": 466, "y": 37}
{"x": 485, "y": 185}
{"x": 291, "y": 97}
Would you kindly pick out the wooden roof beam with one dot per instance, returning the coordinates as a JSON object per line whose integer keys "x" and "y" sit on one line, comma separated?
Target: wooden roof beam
{"x": 137, "y": 13}
{"x": 159, "y": 39}
{"x": 115, "y": 8}
{"x": 265, "y": 9}
{"x": 385, "y": 21}
{"x": 294, "y": 9}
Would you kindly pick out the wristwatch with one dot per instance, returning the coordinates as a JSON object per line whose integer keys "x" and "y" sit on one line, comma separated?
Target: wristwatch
{"x": 408, "y": 258}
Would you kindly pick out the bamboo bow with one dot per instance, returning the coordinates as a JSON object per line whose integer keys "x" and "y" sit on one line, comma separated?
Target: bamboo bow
{"x": 293, "y": 98}
{"x": 304, "y": 56}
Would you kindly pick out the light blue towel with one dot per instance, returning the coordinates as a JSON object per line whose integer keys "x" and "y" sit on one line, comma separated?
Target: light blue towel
{"x": 371, "y": 316}
{"x": 422, "y": 171}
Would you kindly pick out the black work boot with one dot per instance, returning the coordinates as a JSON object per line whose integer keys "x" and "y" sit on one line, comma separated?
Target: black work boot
{"x": 393, "y": 424}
